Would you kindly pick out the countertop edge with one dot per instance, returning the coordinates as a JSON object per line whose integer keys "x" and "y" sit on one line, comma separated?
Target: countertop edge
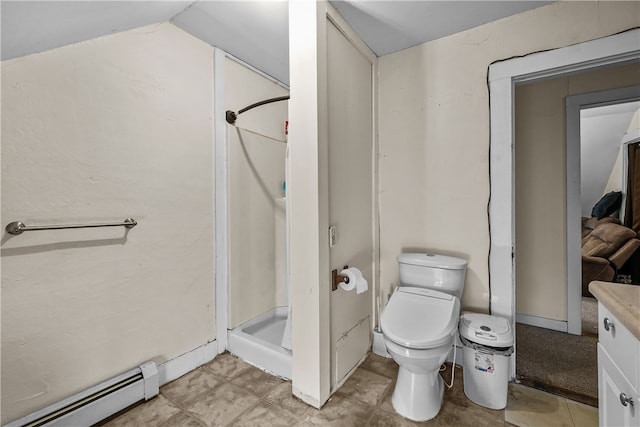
{"x": 616, "y": 298}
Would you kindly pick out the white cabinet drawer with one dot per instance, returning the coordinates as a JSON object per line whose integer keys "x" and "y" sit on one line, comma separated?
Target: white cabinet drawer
{"x": 620, "y": 344}
{"x": 618, "y": 403}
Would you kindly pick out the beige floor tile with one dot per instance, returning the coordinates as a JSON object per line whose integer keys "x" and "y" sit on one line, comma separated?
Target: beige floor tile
{"x": 227, "y": 366}
{"x": 282, "y": 397}
{"x": 387, "y": 419}
{"x": 455, "y": 394}
{"x": 256, "y": 380}
{"x": 153, "y": 412}
{"x": 366, "y": 386}
{"x": 340, "y": 411}
{"x": 189, "y": 388}
{"x": 385, "y": 404}
{"x": 253, "y": 397}
{"x": 264, "y": 414}
{"x": 223, "y": 405}
{"x": 528, "y": 407}
{"x": 468, "y": 415}
{"x": 381, "y": 366}
{"x": 583, "y": 415}
{"x": 183, "y": 419}
{"x": 303, "y": 423}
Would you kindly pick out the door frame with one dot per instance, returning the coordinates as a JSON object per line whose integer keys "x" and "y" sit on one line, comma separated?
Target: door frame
{"x": 503, "y": 77}
{"x": 575, "y": 104}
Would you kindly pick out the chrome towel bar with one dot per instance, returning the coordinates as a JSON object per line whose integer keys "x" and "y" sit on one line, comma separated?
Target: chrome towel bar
{"x": 17, "y": 227}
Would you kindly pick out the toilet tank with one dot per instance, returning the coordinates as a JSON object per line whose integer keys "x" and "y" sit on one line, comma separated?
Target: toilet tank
{"x": 432, "y": 271}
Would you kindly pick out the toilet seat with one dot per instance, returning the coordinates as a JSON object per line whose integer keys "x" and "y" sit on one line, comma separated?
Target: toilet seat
{"x": 420, "y": 318}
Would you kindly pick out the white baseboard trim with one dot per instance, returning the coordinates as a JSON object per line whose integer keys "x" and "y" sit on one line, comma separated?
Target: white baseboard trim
{"x": 106, "y": 405}
{"x": 187, "y": 362}
{"x": 542, "y": 322}
{"x": 98, "y": 402}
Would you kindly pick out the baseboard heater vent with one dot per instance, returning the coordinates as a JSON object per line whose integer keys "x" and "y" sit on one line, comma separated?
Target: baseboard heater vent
{"x": 97, "y": 403}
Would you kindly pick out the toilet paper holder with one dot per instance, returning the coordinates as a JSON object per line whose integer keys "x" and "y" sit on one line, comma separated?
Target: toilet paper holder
{"x": 337, "y": 278}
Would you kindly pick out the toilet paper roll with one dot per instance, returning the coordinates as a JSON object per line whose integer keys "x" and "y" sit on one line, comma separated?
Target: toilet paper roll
{"x": 356, "y": 281}
{"x": 362, "y": 285}
{"x": 352, "y": 277}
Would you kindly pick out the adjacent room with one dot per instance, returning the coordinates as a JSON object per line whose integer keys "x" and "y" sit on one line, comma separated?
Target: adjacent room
{"x": 320, "y": 212}
{"x": 595, "y": 112}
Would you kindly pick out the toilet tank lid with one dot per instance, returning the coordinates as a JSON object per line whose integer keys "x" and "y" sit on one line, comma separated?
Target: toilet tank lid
{"x": 433, "y": 260}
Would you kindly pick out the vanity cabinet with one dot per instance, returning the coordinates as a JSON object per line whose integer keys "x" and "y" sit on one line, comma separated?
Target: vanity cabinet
{"x": 618, "y": 372}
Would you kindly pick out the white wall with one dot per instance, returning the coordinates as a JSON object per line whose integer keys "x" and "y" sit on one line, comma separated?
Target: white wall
{"x": 256, "y": 173}
{"x": 434, "y": 132}
{"x": 307, "y": 196}
{"x": 632, "y": 134}
{"x": 615, "y": 181}
{"x": 598, "y": 154}
{"x": 634, "y": 128}
{"x": 99, "y": 131}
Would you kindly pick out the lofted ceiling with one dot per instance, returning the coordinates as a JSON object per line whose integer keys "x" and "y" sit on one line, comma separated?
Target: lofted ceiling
{"x": 254, "y": 31}
{"x": 602, "y": 129}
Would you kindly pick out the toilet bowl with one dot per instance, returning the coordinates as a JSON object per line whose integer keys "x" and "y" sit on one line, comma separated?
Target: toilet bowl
{"x": 419, "y": 326}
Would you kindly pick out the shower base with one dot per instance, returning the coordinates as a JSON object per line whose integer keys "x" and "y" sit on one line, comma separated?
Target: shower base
{"x": 257, "y": 342}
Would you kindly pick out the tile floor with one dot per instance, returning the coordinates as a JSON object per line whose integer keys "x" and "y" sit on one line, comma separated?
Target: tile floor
{"x": 229, "y": 392}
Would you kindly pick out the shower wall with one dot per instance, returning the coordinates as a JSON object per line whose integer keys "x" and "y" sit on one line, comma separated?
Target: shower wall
{"x": 102, "y": 130}
{"x": 256, "y": 205}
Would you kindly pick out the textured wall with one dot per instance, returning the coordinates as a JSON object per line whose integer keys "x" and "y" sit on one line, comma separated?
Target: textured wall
{"x": 434, "y": 132}
{"x": 98, "y": 131}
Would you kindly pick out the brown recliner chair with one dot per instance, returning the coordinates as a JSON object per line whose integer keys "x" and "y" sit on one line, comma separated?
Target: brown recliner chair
{"x": 604, "y": 252}
{"x": 589, "y": 224}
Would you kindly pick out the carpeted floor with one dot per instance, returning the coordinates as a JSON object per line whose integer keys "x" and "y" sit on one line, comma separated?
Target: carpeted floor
{"x": 590, "y": 316}
{"x": 559, "y": 363}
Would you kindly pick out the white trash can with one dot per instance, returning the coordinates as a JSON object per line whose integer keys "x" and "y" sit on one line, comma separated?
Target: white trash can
{"x": 487, "y": 344}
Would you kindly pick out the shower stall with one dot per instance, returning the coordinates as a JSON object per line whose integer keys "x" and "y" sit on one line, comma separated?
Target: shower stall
{"x": 258, "y": 293}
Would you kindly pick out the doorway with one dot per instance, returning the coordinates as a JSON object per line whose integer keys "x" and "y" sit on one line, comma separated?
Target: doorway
{"x": 503, "y": 76}
{"x": 542, "y": 286}
{"x": 596, "y": 126}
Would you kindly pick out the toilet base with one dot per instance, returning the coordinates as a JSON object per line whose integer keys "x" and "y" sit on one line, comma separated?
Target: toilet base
{"x": 418, "y": 397}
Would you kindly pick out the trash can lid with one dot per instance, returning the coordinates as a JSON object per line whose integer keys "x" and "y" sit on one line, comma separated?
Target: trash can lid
{"x": 491, "y": 331}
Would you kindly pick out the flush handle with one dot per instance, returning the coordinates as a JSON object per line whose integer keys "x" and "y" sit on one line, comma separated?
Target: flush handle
{"x": 625, "y": 400}
{"x": 608, "y": 324}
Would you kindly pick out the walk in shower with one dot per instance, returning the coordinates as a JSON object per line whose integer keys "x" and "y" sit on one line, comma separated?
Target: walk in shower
{"x": 258, "y": 289}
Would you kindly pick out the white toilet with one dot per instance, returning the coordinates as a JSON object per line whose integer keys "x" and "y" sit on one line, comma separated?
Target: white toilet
{"x": 419, "y": 324}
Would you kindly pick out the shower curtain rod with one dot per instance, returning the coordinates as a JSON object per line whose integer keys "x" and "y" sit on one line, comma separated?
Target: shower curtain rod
{"x": 231, "y": 116}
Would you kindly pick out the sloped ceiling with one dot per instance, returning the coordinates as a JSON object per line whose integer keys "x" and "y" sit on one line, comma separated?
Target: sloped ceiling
{"x": 35, "y": 26}
{"x": 602, "y": 130}
{"x": 254, "y": 31}
{"x": 388, "y": 26}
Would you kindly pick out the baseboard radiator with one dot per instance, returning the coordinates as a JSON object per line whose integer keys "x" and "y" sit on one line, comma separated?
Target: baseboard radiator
{"x": 99, "y": 402}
